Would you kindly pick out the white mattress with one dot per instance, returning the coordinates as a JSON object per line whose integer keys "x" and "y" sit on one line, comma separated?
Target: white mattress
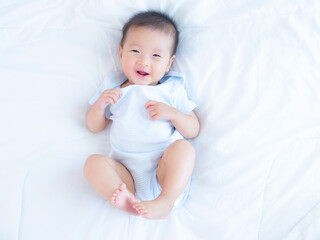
{"x": 252, "y": 66}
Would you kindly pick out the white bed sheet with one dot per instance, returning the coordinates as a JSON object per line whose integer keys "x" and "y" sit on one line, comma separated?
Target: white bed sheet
{"x": 251, "y": 66}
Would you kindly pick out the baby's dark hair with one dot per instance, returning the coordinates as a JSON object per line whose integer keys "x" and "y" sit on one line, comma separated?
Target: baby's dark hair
{"x": 154, "y": 20}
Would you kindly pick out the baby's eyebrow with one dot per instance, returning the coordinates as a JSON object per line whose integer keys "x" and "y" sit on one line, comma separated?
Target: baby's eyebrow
{"x": 158, "y": 50}
{"x": 134, "y": 45}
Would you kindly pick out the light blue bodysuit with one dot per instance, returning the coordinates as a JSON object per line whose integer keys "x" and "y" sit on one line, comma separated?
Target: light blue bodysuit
{"x": 135, "y": 140}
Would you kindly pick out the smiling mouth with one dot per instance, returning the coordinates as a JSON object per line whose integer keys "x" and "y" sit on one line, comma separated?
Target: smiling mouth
{"x": 142, "y": 73}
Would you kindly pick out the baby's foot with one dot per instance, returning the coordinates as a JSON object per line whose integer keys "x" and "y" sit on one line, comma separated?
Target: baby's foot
{"x": 157, "y": 209}
{"x": 121, "y": 199}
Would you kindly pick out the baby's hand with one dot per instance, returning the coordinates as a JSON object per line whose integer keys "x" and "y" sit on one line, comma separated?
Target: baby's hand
{"x": 109, "y": 96}
{"x": 159, "y": 110}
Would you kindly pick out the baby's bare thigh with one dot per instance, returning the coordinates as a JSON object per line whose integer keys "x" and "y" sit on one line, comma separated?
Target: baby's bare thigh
{"x": 110, "y": 167}
{"x": 179, "y": 152}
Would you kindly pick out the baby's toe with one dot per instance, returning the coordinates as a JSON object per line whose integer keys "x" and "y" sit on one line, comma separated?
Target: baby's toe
{"x": 133, "y": 200}
{"x": 140, "y": 208}
{"x": 122, "y": 186}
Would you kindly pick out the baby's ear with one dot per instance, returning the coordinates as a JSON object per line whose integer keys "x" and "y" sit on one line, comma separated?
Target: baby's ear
{"x": 120, "y": 51}
{"x": 170, "y": 62}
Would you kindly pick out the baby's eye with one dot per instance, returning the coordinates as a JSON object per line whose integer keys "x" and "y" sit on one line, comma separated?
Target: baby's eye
{"x": 156, "y": 55}
{"x": 135, "y": 51}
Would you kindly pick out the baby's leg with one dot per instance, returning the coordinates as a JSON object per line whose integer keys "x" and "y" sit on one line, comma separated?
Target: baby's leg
{"x": 174, "y": 171}
{"x": 111, "y": 180}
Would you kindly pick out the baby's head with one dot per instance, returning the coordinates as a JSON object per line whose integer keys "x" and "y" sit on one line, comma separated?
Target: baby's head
{"x": 148, "y": 46}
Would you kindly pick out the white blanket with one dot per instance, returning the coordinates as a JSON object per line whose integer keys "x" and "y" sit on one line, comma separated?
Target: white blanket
{"x": 253, "y": 69}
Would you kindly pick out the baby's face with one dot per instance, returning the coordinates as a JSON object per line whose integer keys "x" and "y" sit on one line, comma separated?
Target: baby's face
{"x": 146, "y": 55}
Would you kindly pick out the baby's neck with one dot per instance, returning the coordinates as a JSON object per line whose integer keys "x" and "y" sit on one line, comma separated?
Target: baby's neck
{"x": 127, "y": 83}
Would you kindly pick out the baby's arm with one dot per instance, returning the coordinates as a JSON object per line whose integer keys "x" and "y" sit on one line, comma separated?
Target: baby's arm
{"x": 187, "y": 124}
{"x": 96, "y": 121}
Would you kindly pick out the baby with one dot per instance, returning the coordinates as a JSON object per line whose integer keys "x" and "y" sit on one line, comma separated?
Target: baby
{"x": 149, "y": 167}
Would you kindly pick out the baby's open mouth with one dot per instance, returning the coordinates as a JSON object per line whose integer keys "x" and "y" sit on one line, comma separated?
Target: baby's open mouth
{"x": 142, "y": 73}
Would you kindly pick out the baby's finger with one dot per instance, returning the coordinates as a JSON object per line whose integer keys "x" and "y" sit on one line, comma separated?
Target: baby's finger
{"x": 110, "y": 99}
{"x": 114, "y": 91}
{"x": 155, "y": 117}
{"x": 112, "y": 95}
{"x": 150, "y": 103}
{"x": 117, "y": 91}
{"x": 152, "y": 112}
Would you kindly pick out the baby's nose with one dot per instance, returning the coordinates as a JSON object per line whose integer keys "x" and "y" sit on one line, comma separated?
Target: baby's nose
{"x": 144, "y": 61}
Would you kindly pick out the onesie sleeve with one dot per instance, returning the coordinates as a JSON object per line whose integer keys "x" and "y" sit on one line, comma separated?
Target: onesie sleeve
{"x": 111, "y": 80}
{"x": 96, "y": 96}
{"x": 181, "y": 100}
